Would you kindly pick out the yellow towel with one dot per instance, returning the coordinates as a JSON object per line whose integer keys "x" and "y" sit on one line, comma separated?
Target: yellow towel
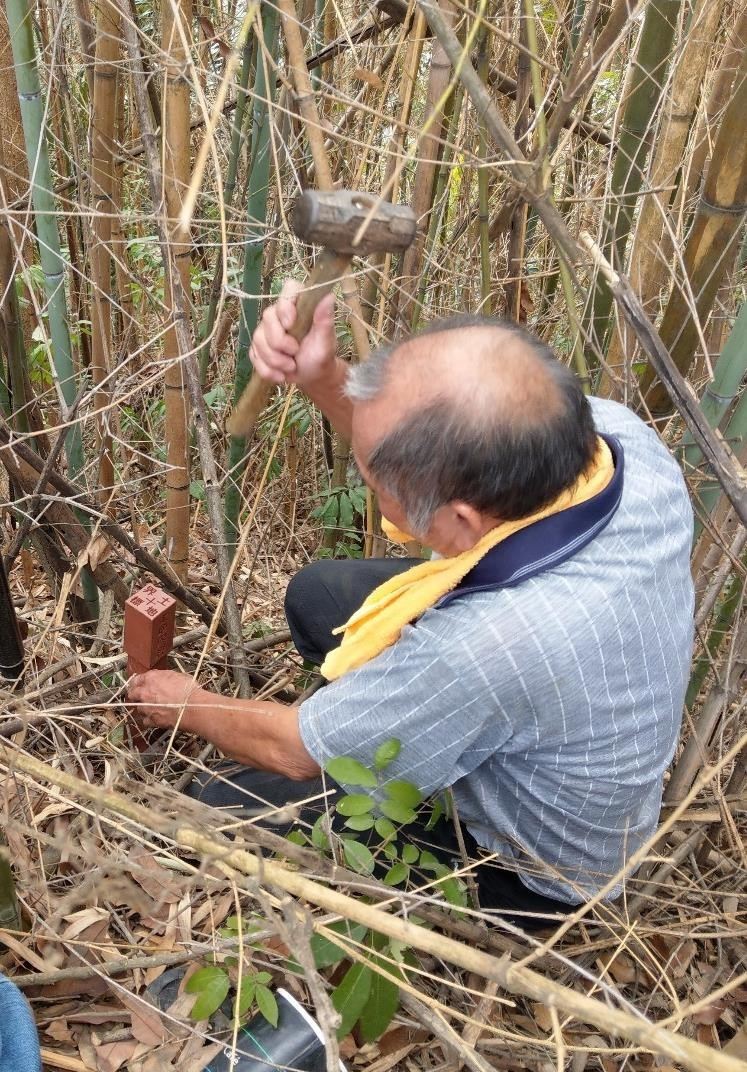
{"x": 390, "y": 607}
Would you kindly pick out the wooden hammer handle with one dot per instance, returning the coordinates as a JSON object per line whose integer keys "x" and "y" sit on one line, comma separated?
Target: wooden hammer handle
{"x": 327, "y": 271}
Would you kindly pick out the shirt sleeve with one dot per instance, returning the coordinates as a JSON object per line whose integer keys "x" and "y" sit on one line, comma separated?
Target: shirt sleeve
{"x": 417, "y": 693}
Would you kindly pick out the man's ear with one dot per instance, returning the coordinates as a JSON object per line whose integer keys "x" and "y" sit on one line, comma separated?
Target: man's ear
{"x": 468, "y": 524}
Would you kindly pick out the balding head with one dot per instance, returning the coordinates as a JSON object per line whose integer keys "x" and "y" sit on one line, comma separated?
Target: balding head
{"x": 474, "y": 410}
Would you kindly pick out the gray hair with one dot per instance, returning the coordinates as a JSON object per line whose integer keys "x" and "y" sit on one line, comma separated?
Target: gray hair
{"x": 365, "y": 381}
{"x": 507, "y": 467}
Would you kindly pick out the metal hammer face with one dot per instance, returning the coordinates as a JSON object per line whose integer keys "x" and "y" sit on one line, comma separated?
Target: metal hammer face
{"x": 332, "y": 219}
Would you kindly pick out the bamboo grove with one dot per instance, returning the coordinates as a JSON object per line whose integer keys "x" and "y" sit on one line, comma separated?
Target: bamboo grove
{"x": 151, "y": 152}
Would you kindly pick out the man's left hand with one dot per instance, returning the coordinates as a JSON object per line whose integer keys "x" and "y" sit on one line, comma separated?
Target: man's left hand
{"x": 163, "y": 698}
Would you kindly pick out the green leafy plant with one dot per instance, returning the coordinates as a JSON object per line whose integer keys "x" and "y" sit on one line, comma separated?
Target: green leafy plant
{"x": 212, "y": 984}
{"x": 342, "y": 510}
{"x": 367, "y": 995}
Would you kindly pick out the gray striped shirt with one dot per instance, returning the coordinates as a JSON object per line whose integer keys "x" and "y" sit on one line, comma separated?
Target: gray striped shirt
{"x": 553, "y": 708}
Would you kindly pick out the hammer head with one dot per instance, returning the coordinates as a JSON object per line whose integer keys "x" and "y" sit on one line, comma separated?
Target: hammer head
{"x": 332, "y": 219}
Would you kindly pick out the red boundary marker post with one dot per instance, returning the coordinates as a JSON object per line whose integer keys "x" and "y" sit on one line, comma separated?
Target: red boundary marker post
{"x": 150, "y": 616}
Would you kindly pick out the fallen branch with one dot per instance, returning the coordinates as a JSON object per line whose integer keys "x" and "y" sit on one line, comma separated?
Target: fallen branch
{"x": 514, "y": 978}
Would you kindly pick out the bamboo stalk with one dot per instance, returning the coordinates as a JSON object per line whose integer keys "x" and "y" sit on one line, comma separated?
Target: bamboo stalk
{"x": 716, "y": 400}
{"x": 87, "y": 32}
{"x": 200, "y": 415}
{"x": 483, "y": 194}
{"x": 314, "y": 132}
{"x": 439, "y": 219}
{"x": 130, "y": 333}
{"x": 728, "y": 374}
{"x": 249, "y": 53}
{"x": 713, "y": 242}
{"x": 566, "y": 281}
{"x": 518, "y": 221}
{"x": 587, "y": 62}
{"x": 251, "y": 285}
{"x": 176, "y": 17}
{"x": 730, "y": 557}
{"x": 402, "y": 107}
{"x": 720, "y": 629}
{"x": 10, "y": 916}
{"x": 14, "y": 175}
{"x": 729, "y": 471}
{"x": 53, "y": 265}
{"x": 702, "y": 139}
{"x": 645, "y": 84}
{"x": 12, "y": 330}
{"x": 648, "y": 267}
{"x": 306, "y": 102}
{"x": 103, "y": 126}
{"x": 429, "y": 152}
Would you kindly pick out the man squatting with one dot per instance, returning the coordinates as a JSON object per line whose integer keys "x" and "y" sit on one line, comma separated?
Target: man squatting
{"x": 546, "y": 686}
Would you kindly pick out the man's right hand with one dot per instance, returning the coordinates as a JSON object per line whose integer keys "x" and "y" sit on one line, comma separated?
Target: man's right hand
{"x": 279, "y": 358}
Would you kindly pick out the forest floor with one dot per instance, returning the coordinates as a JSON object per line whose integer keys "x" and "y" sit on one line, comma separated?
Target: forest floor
{"x": 116, "y": 907}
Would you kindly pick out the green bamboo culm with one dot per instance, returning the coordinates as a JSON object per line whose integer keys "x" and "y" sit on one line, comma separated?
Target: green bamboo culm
{"x": 728, "y": 374}
{"x": 438, "y": 217}
{"x": 647, "y": 78}
{"x": 264, "y": 91}
{"x": 718, "y": 396}
{"x": 712, "y": 245}
{"x": 247, "y": 60}
{"x": 53, "y": 265}
{"x": 483, "y": 192}
{"x": 720, "y": 628}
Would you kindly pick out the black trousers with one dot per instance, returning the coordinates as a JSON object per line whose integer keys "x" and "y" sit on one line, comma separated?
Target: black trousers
{"x": 319, "y": 598}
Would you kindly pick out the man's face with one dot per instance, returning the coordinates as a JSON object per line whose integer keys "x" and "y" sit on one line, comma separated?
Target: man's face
{"x": 366, "y": 434}
{"x": 447, "y": 533}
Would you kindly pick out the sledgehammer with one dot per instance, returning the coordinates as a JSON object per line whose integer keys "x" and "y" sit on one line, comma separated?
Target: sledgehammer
{"x": 332, "y": 220}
